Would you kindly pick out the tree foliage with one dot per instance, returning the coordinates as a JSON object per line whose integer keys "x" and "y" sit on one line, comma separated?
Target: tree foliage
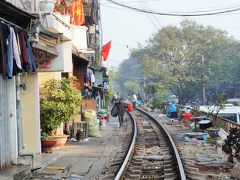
{"x": 131, "y": 87}
{"x": 173, "y": 58}
{"x": 130, "y": 77}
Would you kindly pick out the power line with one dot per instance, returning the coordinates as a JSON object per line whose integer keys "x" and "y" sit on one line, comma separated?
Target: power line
{"x": 209, "y": 13}
{"x": 209, "y": 9}
{"x": 152, "y": 15}
{"x": 148, "y": 15}
{"x": 131, "y": 10}
{"x": 132, "y": 2}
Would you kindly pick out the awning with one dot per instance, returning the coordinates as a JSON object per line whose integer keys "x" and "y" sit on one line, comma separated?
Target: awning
{"x": 77, "y": 56}
{"x": 15, "y": 15}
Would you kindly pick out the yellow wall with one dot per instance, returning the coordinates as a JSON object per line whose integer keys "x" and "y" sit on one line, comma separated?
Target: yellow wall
{"x": 30, "y": 114}
{"x": 47, "y": 76}
{"x": 31, "y": 110}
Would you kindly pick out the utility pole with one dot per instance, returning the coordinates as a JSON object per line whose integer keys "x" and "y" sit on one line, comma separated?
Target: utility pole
{"x": 203, "y": 81}
{"x": 144, "y": 87}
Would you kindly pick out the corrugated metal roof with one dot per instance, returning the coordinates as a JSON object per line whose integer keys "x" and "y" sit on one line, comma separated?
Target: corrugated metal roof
{"x": 14, "y": 14}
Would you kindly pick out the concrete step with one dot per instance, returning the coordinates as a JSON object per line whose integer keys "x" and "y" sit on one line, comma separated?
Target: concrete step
{"x": 16, "y": 172}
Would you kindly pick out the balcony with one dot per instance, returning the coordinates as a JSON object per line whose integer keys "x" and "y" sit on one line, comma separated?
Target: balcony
{"x": 57, "y": 23}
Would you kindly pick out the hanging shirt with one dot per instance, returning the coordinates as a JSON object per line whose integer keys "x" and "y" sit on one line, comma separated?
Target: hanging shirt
{"x": 15, "y": 49}
{"x": 3, "y": 37}
{"x": 31, "y": 58}
{"x": 9, "y": 61}
{"x": 23, "y": 45}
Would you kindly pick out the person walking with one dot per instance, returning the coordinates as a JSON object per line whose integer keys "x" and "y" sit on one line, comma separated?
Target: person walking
{"x": 120, "y": 111}
{"x": 134, "y": 101}
{"x": 172, "y": 110}
{"x": 139, "y": 99}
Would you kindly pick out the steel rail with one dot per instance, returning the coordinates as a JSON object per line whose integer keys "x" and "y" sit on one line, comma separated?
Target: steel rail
{"x": 174, "y": 148}
{"x": 130, "y": 151}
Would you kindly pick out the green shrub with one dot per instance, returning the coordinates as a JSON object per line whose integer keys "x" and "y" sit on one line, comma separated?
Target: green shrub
{"x": 59, "y": 100}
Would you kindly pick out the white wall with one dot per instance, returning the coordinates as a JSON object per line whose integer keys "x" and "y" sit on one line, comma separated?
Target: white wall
{"x": 79, "y": 37}
{"x": 8, "y": 122}
{"x": 67, "y": 56}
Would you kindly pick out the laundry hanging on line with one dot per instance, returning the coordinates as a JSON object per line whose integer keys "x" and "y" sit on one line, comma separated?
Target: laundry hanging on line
{"x": 16, "y": 54}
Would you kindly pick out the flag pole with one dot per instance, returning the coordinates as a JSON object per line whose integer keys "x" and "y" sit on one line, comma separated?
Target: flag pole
{"x": 107, "y": 64}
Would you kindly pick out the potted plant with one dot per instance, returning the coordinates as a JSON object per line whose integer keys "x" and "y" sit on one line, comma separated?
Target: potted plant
{"x": 45, "y": 143}
{"x": 59, "y": 100}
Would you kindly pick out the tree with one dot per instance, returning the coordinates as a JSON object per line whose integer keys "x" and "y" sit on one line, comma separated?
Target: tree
{"x": 129, "y": 71}
{"x": 131, "y": 87}
{"x": 217, "y": 106}
{"x": 173, "y": 57}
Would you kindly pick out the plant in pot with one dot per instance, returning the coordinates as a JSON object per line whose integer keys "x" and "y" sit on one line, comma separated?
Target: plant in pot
{"x": 59, "y": 100}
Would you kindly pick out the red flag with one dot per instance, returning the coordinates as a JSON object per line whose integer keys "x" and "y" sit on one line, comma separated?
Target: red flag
{"x": 76, "y": 11}
{"x": 105, "y": 50}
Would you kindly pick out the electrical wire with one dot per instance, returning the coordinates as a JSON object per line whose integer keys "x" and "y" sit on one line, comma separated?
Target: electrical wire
{"x": 148, "y": 16}
{"x": 131, "y": 2}
{"x": 209, "y": 13}
{"x": 113, "y": 6}
{"x": 210, "y": 9}
{"x": 23, "y": 5}
{"x": 117, "y": 7}
{"x": 153, "y": 15}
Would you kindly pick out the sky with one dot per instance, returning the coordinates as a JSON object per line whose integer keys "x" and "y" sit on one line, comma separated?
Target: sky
{"x": 127, "y": 28}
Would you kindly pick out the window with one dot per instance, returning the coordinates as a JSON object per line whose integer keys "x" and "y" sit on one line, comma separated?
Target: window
{"x": 229, "y": 116}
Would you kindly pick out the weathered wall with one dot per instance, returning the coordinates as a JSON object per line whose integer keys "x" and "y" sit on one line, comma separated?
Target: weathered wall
{"x": 8, "y": 122}
{"x": 31, "y": 116}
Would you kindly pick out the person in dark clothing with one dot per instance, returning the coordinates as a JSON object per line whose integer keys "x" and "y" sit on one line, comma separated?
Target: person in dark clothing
{"x": 121, "y": 110}
{"x": 139, "y": 100}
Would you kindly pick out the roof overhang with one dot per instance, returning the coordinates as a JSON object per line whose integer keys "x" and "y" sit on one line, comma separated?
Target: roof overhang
{"x": 15, "y": 15}
{"x": 50, "y": 51}
{"x": 76, "y": 55}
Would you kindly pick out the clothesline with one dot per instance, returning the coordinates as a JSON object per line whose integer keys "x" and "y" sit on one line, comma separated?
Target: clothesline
{"x": 2, "y": 19}
{"x": 16, "y": 54}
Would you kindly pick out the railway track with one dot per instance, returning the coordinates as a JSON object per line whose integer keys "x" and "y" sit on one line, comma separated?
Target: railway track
{"x": 151, "y": 154}
{"x": 125, "y": 151}
{"x": 155, "y": 155}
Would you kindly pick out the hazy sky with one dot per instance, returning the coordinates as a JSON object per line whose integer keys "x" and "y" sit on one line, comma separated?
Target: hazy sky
{"x": 126, "y": 28}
